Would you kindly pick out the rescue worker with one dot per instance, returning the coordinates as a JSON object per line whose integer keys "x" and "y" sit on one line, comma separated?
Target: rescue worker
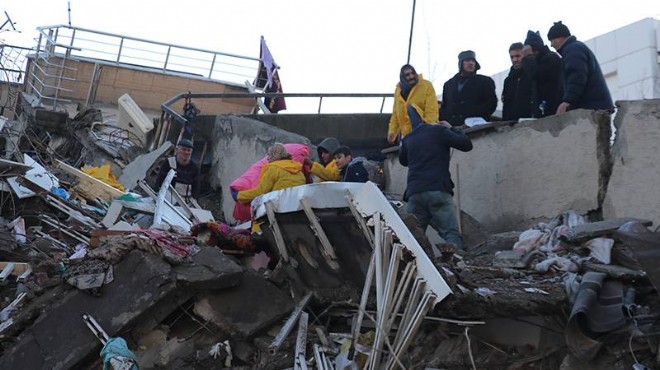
{"x": 327, "y": 170}
{"x": 187, "y": 178}
{"x": 411, "y": 89}
{"x": 280, "y": 172}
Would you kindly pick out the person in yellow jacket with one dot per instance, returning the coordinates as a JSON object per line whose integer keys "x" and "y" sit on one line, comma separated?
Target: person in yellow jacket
{"x": 327, "y": 170}
{"x": 412, "y": 89}
{"x": 279, "y": 173}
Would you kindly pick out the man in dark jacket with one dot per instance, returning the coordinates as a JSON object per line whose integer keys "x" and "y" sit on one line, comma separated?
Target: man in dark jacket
{"x": 187, "y": 178}
{"x": 351, "y": 169}
{"x": 545, "y": 66}
{"x": 429, "y": 192}
{"x": 518, "y": 94}
{"x": 467, "y": 94}
{"x": 584, "y": 83}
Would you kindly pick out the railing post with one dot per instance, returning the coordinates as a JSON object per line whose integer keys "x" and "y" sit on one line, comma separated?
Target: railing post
{"x": 73, "y": 36}
{"x": 121, "y": 46}
{"x": 320, "y": 101}
{"x": 167, "y": 57}
{"x": 212, "y": 65}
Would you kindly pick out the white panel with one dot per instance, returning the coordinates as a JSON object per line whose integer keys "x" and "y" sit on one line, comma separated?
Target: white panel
{"x": 605, "y": 48}
{"x": 636, "y": 36}
{"x": 637, "y": 66}
{"x": 132, "y": 118}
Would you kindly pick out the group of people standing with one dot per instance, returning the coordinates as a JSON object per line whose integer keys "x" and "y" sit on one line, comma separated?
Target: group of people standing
{"x": 540, "y": 83}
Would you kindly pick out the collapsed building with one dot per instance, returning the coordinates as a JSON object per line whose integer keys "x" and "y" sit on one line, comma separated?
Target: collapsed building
{"x": 558, "y": 222}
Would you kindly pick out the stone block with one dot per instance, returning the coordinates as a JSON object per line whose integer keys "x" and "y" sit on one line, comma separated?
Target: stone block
{"x": 247, "y": 309}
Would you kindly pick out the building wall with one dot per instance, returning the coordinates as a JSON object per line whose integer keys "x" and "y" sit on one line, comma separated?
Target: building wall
{"x": 633, "y": 189}
{"x": 534, "y": 170}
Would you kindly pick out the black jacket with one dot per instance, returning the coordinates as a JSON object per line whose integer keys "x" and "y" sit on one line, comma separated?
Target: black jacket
{"x": 355, "y": 171}
{"x": 547, "y": 74}
{"x": 584, "y": 83}
{"x": 519, "y": 94}
{"x": 425, "y": 151}
{"x": 476, "y": 99}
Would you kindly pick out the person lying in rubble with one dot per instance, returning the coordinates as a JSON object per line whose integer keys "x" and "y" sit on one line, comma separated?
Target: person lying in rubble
{"x": 187, "y": 178}
{"x": 279, "y": 173}
{"x": 429, "y": 191}
{"x": 327, "y": 170}
{"x": 351, "y": 169}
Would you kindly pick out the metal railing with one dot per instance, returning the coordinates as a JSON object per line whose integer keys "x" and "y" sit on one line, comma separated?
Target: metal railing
{"x": 113, "y": 48}
{"x": 169, "y": 111}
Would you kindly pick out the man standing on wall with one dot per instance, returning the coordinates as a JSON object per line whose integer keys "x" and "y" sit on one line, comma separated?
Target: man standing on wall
{"x": 467, "y": 94}
{"x": 584, "y": 83}
{"x": 518, "y": 94}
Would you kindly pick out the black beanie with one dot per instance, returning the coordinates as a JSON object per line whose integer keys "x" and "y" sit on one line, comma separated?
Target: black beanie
{"x": 558, "y": 30}
{"x": 534, "y": 40}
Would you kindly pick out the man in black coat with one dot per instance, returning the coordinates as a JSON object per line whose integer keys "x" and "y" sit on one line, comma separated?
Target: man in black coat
{"x": 519, "y": 93}
{"x": 546, "y": 70}
{"x": 467, "y": 94}
{"x": 426, "y": 151}
{"x": 584, "y": 83}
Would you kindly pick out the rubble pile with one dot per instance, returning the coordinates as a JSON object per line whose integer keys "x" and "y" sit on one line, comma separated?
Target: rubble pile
{"x": 99, "y": 269}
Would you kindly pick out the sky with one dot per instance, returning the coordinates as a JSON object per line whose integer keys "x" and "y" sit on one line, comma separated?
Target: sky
{"x": 338, "y": 46}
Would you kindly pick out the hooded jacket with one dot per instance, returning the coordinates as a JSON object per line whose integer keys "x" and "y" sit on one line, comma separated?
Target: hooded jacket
{"x": 355, "y": 171}
{"x": 329, "y": 172}
{"x": 423, "y": 96}
{"x": 276, "y": 175}
{"x": 426, "y": 153}
{"x": 584, "y": 83}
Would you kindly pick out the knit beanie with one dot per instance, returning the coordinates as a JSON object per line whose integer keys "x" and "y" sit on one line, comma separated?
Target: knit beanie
{"x": 558, "y": 30}
{"x": 534, "y": 40}
{"x": 467, "y": 54}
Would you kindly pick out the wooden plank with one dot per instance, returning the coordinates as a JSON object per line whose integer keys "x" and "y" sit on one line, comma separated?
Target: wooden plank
{"x": 592, "y": 230}
{"x": 89, "y": 187}
{"x": 138, "y": 206}
{"x": 112, "y": 214}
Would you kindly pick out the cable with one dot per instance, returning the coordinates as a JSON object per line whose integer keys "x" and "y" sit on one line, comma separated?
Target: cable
{"x": 467, "y": 337}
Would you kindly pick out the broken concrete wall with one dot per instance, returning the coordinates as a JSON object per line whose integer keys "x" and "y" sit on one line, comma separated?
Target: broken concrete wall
{"x": 530, "y": 171}
{"x": 632, "y": 189}
{"x": 238, "y": 143}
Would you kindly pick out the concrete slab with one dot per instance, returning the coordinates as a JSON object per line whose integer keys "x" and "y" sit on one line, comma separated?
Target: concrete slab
{"x": 143, "y": 282}
{"x": 137, "y": 170}
{"x": 247, "y": 309}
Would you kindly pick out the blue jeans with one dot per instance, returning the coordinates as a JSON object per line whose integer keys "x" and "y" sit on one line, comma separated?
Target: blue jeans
{"x": 437, "y": 209}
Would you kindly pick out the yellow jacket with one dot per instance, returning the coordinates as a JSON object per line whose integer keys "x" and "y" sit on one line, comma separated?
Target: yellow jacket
{"x": 328, "y": 173}
{"x": 423, "y": 97}
{"x": 275, "y": 175}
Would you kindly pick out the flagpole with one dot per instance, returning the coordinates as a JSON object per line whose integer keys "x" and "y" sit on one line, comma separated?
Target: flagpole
{"x": 412, "y": 23}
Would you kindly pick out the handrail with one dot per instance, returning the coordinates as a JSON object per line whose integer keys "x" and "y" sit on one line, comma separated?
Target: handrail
{"x": 166, "y": 106}
{"x": 121, "y": 49}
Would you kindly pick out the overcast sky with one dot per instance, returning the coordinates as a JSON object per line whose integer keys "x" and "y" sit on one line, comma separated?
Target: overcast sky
{"x": 339, "y": 46}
